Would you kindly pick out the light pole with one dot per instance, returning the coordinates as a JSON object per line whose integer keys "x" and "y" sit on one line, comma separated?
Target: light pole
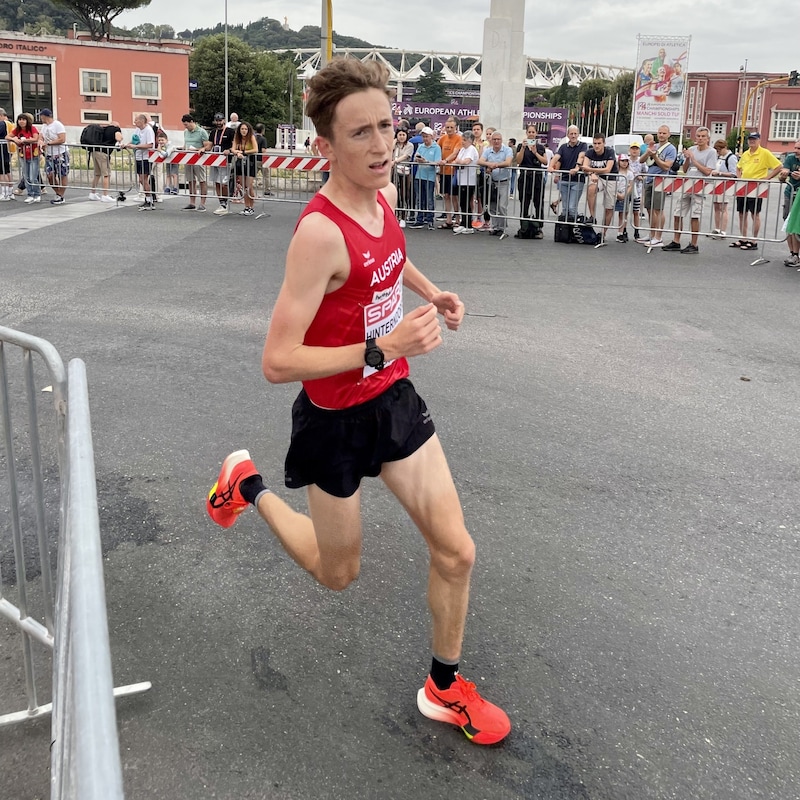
{"x": 326, "y": 33}
{"x": 226, "y": 62}
{"x": 743, "y": 95}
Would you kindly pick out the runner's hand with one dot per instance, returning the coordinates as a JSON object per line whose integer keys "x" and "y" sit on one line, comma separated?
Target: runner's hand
{"x": 418, "y": 332}
{"x": 450, "y": 307}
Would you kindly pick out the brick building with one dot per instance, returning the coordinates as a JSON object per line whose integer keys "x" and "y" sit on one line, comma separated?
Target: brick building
{"x": 85, "y": 81}
{"x": 717, "y": 99}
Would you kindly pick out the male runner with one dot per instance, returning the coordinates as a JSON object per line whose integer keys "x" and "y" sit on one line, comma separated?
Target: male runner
{"x": 338, "y": 326}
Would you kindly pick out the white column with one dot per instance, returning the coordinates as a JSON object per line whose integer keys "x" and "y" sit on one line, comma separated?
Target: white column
{"x": 503, "y": 67}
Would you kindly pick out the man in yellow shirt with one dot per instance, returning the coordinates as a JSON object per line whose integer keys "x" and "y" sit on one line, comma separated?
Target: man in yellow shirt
{"x": 756, "y": 163}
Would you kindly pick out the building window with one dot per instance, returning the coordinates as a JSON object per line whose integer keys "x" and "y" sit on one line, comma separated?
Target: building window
{"x": 690, "y": 106}
{"x": 785, "y": 125}
{"x": 37, "y": 87}
{"x": 148, "y": 86}
{"x": 95, "y": 116}
{"x": 718, "y": 128}
{"x": 6, "y": 95}
{"x": 95, "y": 82}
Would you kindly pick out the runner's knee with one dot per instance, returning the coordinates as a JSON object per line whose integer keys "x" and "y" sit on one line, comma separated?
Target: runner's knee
{"x": 455, "y": 560}
{"x": 340, "y": 576}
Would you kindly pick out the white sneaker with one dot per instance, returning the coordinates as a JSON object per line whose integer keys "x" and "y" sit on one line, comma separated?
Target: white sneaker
{"x": 5, "y": 198}
{"x": 655, "y": 243}
{"x": 402, "y": 223}
{"x": 106, "y": 199}
{"x": 31, "y": 199}
{"x": 458, "y": 229}
{"x": 94, "y": 196}
{"x": 221, "y": 211}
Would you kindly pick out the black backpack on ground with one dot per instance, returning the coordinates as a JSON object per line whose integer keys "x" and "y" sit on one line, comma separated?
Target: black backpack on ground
{"x": 583, "y": 232}
{"x": 527, "y": 229}
{"x": 564, "y": 230}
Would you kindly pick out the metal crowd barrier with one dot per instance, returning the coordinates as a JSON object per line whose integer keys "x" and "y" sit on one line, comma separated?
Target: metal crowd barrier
{"x": 85, "y": 760}
{"x": 744, "y": 200}
{"x": 277, "y": 177}
{"x": 121, "y": 171}
{"x": 538, "y": 198}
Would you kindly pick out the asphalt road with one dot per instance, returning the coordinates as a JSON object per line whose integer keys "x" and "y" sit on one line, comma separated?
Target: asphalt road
{"x": 633, "y": 499}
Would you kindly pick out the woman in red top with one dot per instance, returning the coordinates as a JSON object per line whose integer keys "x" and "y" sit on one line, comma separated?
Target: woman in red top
{"x": 25, "y": 136}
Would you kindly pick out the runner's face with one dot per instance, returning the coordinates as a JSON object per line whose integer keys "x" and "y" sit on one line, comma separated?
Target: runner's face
{"x": 363, "y": 138}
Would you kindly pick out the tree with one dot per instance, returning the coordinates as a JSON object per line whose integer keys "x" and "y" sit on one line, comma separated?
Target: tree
{"x": 563, "y": 96}
{"x": 17, "y": 15}
{"x": 150, "y": 31}
{"x": 258, "y": 83}
{"x": 96, "y": 15}
{"x": 593, "y": 100}
{"x": 430, "y": 89}
{"x": 622, "y": 88}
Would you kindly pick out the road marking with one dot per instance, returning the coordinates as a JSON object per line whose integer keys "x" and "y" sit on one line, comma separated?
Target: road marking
{"x": 27, "y": 221}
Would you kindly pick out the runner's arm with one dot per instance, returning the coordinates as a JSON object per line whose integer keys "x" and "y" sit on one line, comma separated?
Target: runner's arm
{"x": 447, "y": 304}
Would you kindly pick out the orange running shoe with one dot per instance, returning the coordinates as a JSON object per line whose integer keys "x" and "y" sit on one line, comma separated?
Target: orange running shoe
{"x": 461, "y": 705}
{"x": 225, "y": 501}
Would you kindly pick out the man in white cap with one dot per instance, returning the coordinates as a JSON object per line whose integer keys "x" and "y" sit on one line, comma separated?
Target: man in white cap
{"x": 427, "y": 156}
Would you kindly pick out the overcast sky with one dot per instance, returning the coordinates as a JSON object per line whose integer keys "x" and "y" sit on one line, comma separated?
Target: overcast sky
{"x": 600, "y": 32}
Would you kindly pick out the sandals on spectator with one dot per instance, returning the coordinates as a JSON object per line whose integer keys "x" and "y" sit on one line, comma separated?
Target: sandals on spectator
{"x": 737, "y": 244}
{"x": 749, "y": 246}
{"x": 446, "y": 225}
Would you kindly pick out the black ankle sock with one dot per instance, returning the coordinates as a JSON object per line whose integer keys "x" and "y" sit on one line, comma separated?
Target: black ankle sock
{"x": 443, "y": 675}
{"x": 251, "y": 487}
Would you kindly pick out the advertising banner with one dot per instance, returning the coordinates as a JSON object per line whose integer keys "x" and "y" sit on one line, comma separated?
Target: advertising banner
{"x": 659, "y": 87}
{"x": 550, "y": 122}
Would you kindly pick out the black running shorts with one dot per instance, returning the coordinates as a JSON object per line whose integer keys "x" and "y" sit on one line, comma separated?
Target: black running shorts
{"x": 336, "y": 449}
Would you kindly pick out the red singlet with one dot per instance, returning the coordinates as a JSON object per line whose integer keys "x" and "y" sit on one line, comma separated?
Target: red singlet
{"x": 368, "y": 304}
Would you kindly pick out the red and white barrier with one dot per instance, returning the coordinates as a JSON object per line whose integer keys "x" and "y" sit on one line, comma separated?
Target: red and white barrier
{"x": 299, "y": 163}
{"x": 191, "y": 158}
{"x": 671, "y": 184}
{"x": 723, "y": 188}
{"x": 302, "y": 163}
{"x": 759, "y": 189}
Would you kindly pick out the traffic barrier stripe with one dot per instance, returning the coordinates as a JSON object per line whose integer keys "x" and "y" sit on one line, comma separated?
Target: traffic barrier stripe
{"x": 672, "y": 184}
{"x": 297, "y": 163}
{"x": 301, "y": 164}
{"x": 758, "y": 189}
{"x": 194, "y": 159}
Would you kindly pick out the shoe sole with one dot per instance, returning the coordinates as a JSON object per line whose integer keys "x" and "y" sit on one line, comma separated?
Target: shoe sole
{"x": 231, "y": 461}
{"x": 440, "y": 714}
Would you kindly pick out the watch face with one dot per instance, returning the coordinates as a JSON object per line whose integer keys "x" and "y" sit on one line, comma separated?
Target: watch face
{"x": 373, "y": 357}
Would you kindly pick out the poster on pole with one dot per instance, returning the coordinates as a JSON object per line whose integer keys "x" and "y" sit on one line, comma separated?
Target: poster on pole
{"x": 659, "y": 86}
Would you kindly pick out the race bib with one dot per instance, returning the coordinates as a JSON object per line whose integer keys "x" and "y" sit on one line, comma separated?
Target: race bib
{"x": 382, "y": 316}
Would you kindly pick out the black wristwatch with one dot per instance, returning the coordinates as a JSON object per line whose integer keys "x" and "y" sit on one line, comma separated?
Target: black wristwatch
{"x": 373, "y": 355}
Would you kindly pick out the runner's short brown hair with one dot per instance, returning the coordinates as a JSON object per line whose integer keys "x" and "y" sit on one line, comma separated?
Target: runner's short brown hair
{"x": 339, "y": 79}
